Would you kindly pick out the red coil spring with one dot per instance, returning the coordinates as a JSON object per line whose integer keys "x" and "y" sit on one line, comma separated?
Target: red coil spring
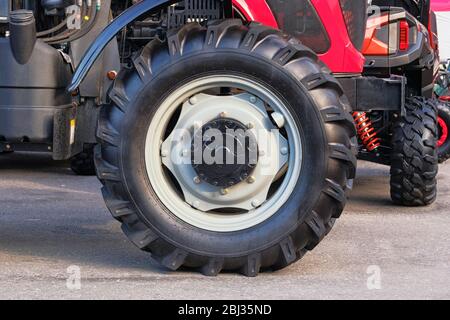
{"x": 366, "y": 131}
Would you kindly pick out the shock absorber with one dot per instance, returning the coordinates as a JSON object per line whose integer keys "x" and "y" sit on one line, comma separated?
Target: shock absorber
{"x": 366, "y": 131}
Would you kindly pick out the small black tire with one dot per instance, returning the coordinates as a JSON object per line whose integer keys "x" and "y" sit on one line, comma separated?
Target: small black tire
{"x": 294, "y": 73}
{"x": 414, "y": 165}
{"x": 444, "y": 121}
{"x": 83, "y": 163}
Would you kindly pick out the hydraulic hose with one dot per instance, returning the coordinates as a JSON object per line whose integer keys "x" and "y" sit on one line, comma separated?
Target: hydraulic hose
{"x": 52, "y": 30}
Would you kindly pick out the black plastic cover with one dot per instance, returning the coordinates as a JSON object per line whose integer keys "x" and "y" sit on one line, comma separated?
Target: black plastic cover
{"x": 355, "y": 16}
{"x": 299, "y": 19}
{"x": 420, "y": 9}
{"x": 193, "y": 10}
{"x": 32, "y": 93}
{"x": 364, "y": 93}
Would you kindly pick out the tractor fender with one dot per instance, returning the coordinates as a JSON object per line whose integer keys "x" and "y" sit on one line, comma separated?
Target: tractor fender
{"x": 100, "y": 43}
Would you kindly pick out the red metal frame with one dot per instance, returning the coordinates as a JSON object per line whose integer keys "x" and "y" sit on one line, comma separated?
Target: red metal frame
{"x": 342, "y": 57}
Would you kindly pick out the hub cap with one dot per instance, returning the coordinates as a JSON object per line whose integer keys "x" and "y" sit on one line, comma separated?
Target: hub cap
{"x": 232, "y": 160}
{"x": 226, "y": 162}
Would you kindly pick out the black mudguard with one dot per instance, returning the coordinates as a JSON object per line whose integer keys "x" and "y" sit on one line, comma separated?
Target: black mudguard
{"x": 127, "y": 17}
{"x": 97, "y": 47}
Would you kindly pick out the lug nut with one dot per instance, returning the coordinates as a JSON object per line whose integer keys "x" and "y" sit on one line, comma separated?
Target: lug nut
{"x": 223, "y": 114}
{"x": 250, "y": 125}
{"x": 197, "y": 180}
{"x": 197, "y": 125}
{"x": 284, "y": 151}
{"x": 251, "y": 179}
{"x": 255, "y": 203}
{"x": 224, "y": 192}
{"x": 185, "y": 153}
{"x": 253, "y": 99}
{"x": 193, "y": 100}
{"x": 164, "y": 153}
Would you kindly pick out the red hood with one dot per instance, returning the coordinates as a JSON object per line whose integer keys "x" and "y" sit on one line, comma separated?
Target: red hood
{"x": 440, "y": 5}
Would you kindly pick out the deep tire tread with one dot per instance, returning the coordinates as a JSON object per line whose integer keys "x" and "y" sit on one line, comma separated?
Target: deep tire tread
{"x": 303, "y": 64}
{"x": 414, "y": 158}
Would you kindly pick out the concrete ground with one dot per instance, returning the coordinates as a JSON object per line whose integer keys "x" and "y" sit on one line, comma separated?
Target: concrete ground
{"x": 54, "y": 226}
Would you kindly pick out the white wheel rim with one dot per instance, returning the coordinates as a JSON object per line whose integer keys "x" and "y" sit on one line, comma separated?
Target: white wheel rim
{"x": 176, "y": 202}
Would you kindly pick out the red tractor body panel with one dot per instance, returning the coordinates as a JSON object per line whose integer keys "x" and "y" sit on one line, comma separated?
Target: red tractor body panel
{"x": 341, "y": 57}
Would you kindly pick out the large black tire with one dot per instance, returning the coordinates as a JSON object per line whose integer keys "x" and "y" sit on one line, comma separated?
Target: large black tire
{"x": 83, "y": 164}
{"x": 266, "y": 56}
{"x": 414, "y": 164}
{"x": 444, "y": 116}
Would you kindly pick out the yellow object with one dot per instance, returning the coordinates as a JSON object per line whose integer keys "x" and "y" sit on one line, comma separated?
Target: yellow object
{"x": 73, "y": 124}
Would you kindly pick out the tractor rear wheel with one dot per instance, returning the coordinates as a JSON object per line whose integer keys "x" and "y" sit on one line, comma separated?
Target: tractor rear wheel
{"x": 210, "y": 216}
{"x": 414, "y": 165}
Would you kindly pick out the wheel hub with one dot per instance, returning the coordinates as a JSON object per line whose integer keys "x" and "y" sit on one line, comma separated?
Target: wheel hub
{"x": 224, "y": 185}
{"x": 224, "y": 152}
{"x": 178, "y": 184}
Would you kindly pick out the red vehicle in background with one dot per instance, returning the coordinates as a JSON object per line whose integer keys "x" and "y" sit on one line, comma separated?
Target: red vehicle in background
{"x": 442, "y": 7}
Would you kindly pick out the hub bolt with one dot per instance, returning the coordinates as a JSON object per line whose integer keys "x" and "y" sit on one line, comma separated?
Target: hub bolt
{"x": 185, "y": 153}
{"x": 197, "y": 125}
{"x": 255, "y": 203}
{"x": 197, "y": 180}
{"x": 193, "y": 100}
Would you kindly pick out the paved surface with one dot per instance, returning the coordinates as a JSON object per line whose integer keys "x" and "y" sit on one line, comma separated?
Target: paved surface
{"x": 51, "y": 220}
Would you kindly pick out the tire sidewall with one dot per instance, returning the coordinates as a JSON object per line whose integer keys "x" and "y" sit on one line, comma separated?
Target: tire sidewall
{"x": 239, "y": 243}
